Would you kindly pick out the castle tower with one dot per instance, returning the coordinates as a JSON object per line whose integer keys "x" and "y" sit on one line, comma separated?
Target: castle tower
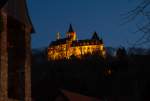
{"x": 15, "y": 51}
{"x": 58, "y": 36}
{"x": 95, "y": 36}
{"x": 71, "y": 34}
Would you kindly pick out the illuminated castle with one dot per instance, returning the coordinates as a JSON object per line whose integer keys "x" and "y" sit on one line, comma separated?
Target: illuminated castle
{"x": 66, "y": 47}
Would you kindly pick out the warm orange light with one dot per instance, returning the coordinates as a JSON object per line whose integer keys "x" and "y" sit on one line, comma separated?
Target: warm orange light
{"x": 109, "y": 71}
{"x": 68, "y": 49}
{"x": 61, "y": 52}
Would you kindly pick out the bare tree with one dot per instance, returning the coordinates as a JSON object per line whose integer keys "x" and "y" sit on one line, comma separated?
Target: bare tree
{"x": 142, "y": 10}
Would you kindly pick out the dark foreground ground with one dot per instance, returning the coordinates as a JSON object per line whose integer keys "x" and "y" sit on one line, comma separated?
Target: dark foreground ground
{"x": 122, "y": 78}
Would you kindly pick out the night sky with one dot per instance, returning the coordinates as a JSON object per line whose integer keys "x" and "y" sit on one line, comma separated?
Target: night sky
{"x": 86, "y": 16}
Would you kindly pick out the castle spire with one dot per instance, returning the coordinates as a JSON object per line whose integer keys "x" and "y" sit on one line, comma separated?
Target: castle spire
{"x": 58, "y": 36}
{"x": 71, "y": 34}
{"x": 95, "y": 36}
{"x": 70, "y": 29}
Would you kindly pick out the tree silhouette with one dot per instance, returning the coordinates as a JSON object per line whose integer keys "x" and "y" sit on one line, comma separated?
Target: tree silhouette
{"x": 141, "y": 11}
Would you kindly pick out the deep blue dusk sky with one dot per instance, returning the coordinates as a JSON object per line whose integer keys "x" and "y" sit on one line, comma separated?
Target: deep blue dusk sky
{"x": 86, "y": 16}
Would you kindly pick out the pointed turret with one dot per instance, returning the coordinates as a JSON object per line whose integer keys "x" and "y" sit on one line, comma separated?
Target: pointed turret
{"x": 70, "y": 29}
{"x": 58, "y": 36}
{"x": 71, "y": 34}
{"x": 95, "y": 36}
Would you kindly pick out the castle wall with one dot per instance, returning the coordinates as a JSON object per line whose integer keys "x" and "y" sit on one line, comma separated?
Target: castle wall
{"x": 61, "y": 51}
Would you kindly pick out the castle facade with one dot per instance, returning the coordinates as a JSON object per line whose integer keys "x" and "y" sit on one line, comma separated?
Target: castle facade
{"x": 64, "y": 48}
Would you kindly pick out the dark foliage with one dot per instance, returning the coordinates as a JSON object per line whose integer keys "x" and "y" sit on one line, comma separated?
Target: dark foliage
{"x": 113, "y": 78}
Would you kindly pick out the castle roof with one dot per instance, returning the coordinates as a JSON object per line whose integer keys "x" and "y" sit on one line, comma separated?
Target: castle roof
{"x": 86, "y": 42}
{"x": 95, "y": 36}
{"x": 59, "y": 42}
{"x": 76, "y": 43}
{"x": 70, "y": 29}
{"x": 95, "y": 40}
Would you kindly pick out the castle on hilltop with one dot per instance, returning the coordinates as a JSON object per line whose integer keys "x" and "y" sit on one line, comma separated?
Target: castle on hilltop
{"x": 64, "y": 48}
